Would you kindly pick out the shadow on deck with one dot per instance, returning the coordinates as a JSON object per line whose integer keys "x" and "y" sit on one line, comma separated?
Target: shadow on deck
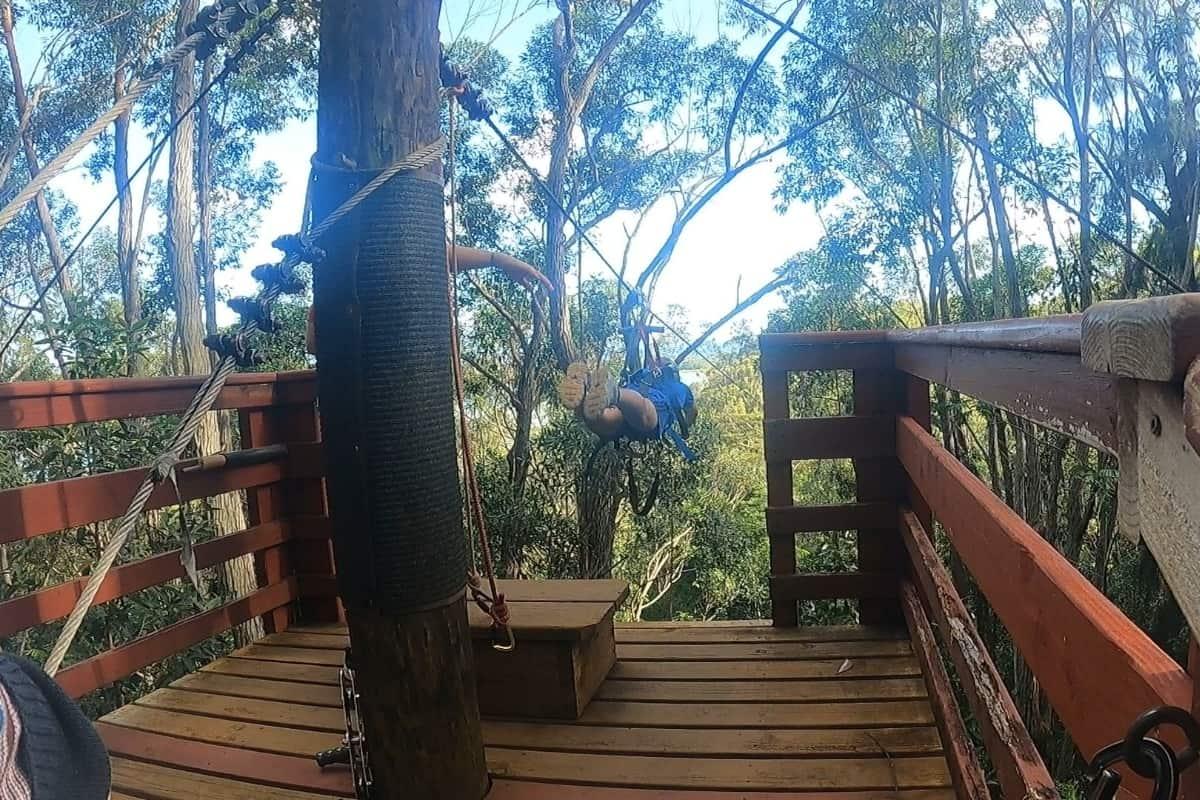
{"x": 690, "y": 711}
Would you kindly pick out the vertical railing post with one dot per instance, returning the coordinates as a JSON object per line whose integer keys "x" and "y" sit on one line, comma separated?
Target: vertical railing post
{"x": 265, "y": 504}
{"x": 784, "y": 612}
{"x": 878, "y": 392}
{"x": 312, "y": 556}
{"x": 917, "y": 406}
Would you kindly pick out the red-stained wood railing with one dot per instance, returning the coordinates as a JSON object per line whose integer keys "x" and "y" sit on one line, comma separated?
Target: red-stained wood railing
{"x": 289, "y": 535}
{"x": 867, "y": 437}
{"x": 1096, "y": 667}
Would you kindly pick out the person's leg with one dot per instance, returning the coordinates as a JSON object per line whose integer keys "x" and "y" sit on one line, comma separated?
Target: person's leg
{"x": 607, "y": 424}
{"x": 637, "y": 410}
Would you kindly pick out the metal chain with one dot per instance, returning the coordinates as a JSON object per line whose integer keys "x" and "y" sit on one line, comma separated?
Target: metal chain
{"x": 277, "y": 279}
{"x": 1146, "y": 756}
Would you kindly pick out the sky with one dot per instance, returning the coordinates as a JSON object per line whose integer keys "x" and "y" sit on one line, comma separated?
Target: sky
{"x": 738, "y": 237}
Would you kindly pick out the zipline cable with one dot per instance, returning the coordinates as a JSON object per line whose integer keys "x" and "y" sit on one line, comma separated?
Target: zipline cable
{"x": 980, "y": 146}
{"x": 232, "y": 63}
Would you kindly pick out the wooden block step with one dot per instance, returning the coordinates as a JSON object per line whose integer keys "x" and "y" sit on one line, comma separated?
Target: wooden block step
{"x": 565, "y": 648}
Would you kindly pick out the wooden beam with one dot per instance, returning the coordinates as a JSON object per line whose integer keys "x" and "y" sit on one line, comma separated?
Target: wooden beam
{"x": 965, "y": 771}
{"x": 119, "y": 662}
{"x": 56, "y": 602}
{"x": 835, "y": 585}
{"x": 1013, "y": 754}
{"x": 1163, "y": 471}
{"x": 787, "y": 353}
{"x": 1154, "y": 338}
{"x": 1078, "y": 644}
{"x": 1052, "y": 389}
{"x": 42, "y": 508}
{"x": 788, "y": 520}
{"x": 1055, "y": 334}
{"x": 829, "y": 437}
{"x": 47, "y": 403}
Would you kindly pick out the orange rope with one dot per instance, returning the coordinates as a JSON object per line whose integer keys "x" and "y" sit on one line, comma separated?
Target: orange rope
{"x": 492, "y": 604}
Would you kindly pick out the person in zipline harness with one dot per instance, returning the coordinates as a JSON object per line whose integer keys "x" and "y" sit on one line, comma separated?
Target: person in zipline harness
{"x": 650, "y": 404}
{"x": 464, "y": 259}
{"x": 649, "y": 407}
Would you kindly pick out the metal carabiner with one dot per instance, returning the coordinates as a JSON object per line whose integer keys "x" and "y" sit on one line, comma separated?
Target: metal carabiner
{"x": 503, "y": 647}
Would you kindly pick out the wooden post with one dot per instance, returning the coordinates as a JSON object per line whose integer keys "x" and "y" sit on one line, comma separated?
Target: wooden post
{"x": 1150, "y": 344}
{"x": 382, "y": 317}
{"x": 878, "y": 479}
{"x": 784, "y": 612}
{"x": 264, "y": 504}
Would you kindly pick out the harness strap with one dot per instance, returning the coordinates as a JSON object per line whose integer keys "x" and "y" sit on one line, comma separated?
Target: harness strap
{"x": 688, "y": 454}
{"x": 635, "y": 503}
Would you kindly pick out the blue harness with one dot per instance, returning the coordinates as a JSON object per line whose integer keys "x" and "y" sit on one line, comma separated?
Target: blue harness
{"x": 670, "y": 397}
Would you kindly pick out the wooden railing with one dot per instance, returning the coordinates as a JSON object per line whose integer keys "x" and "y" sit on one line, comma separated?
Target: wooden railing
{"x": 288, "y": 533}
{"x": 1096, "y": 667}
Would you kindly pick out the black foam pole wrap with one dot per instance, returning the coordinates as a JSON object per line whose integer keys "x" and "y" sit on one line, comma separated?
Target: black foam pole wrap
{"x": 386, "y": 396}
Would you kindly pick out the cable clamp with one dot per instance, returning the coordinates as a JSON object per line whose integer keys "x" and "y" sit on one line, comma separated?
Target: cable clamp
{"x": 256, "y": 311}
{"x": 227, "y": 345}
{"x": 300, "y": 247}
{"x": 275, "y": 275}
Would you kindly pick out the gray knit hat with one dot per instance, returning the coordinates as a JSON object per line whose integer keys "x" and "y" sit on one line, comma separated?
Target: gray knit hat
{"x": 59, "y": 755}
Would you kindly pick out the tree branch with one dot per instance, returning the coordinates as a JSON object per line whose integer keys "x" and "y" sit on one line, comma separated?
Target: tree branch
{"x": 745, "y": 84}
{"x": 495, "y": 303}
{"x": 592, "y": 74}
{"x": 770, "y": 286}
{"x": 494, "y": 379}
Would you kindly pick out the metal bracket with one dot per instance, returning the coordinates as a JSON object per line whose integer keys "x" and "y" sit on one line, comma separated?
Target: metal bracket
{"x": 353, "y": 750}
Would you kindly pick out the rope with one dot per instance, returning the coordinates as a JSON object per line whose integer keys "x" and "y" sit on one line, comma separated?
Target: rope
{"x": 493, "y": 603}
{"x": 277, "y": 279}
{"x": 49, "y": 172}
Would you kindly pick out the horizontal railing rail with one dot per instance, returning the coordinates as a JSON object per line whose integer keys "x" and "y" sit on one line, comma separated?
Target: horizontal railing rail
{"x": 44, "y": 404}
{"x": 288, "y": 533}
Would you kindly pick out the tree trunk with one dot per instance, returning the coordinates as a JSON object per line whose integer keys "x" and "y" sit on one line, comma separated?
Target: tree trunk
{"x": 207, "y": 269}
{"x": 227, "y": 513}
{"x": 49, "y": 231}
{"x": 384, "y": 374}
{"x": 555, "y": 254}
{"x": 131, "y": 298}
{"x": 598, "y": 499}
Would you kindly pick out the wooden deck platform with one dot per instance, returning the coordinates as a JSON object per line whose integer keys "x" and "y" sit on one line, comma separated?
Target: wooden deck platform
{"x": 690, "y": 712}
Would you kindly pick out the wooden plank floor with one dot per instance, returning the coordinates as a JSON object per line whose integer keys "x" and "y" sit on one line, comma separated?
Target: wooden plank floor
{"x": 690, "y": 712}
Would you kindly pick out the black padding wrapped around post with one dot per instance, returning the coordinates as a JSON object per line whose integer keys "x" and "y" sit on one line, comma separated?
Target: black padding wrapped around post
{"x": 386, "y": 397}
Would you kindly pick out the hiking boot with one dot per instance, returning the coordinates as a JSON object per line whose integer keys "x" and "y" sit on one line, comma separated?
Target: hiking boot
{"x": 573, "y": 385}
{"x": 601, "y": 393}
